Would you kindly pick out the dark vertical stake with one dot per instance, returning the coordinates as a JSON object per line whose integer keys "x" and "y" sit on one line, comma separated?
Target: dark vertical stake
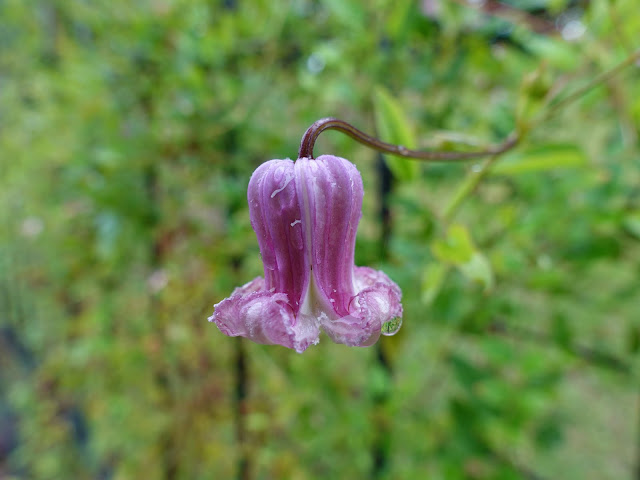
{"x": 152, "y": 187}
{"x": 241, "y": 384}
{"x": 241, "y": 378}
{"x": 637, "y": 467}
{"x": 386, "y": 184}
{"x": 240, "y": 358}
{"x": 380, "y": 449}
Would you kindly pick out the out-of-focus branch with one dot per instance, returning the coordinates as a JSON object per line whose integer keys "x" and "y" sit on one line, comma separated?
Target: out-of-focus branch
{"x": 591, "y": 355}
{"x": 477, "y": 175}
{"x": 525, "y": 471}
{"x": 512, "y": 14}
{"x": 597, "y": 80}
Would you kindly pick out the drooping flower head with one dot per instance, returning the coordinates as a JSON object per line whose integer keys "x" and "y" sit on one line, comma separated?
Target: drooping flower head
{"x": 305, "y": 215}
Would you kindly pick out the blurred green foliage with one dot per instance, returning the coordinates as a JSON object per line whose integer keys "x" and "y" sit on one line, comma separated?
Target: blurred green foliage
{"x": 128, "y": 132}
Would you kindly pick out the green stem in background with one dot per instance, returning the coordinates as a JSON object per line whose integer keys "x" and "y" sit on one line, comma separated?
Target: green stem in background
{"x": 468, "y": 187}
{"x": 597, "y": 80}
{"x": 477, "y": 175}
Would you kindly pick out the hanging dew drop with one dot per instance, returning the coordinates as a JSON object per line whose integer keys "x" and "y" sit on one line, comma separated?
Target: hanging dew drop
{"x": 392, "y": 326}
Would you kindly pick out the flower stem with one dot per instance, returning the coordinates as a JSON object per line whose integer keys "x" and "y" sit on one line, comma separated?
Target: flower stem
{"x": 330, "y": 123}
{"x": 311, "y": 135}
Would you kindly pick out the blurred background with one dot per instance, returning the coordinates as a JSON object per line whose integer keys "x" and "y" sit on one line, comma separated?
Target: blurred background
{"x": 128, "y": 133}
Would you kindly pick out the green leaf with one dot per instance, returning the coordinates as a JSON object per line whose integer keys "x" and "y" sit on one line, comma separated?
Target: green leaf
{"x": 561, "y": 331}
{"x": 457, "y": 249}
{"x": 558, "y": 53}
{"x": 548, "y": 433}
{"x": 631, "y": 224}
{"x": 633, "y": 339}
{"x": 546, "y": 157}
{"x": 398, "y": 19}
{"x": 468, "y": 373}
{"x": 432, "y": 280}
{"x": 393, "y": 127}
{"x": 349, "y": 12}
{"x": 379, "y": 381}
{"x": 479, "y": 270}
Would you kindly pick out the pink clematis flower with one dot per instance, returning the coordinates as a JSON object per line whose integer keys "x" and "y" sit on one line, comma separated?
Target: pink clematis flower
{"x": 305, "y": 215}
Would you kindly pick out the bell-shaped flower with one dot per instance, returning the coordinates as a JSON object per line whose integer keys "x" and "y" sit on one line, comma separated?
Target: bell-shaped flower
{"x": 305, "y": 215}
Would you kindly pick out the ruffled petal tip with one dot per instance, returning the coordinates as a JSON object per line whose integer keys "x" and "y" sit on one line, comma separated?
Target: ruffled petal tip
{"x": 377, "y": 301}
{"x": 264, "y": 317}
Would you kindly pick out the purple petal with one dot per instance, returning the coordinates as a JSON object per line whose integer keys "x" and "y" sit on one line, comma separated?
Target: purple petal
{"x": 331, "y": 189}
{"x": 276, "y": 217}
{"x": 264, "y": 317}
{"x": 305, "y": 215}
{"x": 377, "y": 301}
{"x": 352, "y": 331}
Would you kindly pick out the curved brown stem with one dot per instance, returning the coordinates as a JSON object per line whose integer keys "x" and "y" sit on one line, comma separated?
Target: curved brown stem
{"x": 311, "y": 135}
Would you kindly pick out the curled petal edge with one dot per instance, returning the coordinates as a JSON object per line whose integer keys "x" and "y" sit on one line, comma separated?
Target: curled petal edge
{"x": 377, "y": 301}
{"x": 264, "y": 317}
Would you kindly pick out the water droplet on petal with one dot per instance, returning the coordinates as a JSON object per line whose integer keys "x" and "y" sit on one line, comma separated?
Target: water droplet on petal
{"x": 391, "y": 327}
{"x": 296, "y": 236}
